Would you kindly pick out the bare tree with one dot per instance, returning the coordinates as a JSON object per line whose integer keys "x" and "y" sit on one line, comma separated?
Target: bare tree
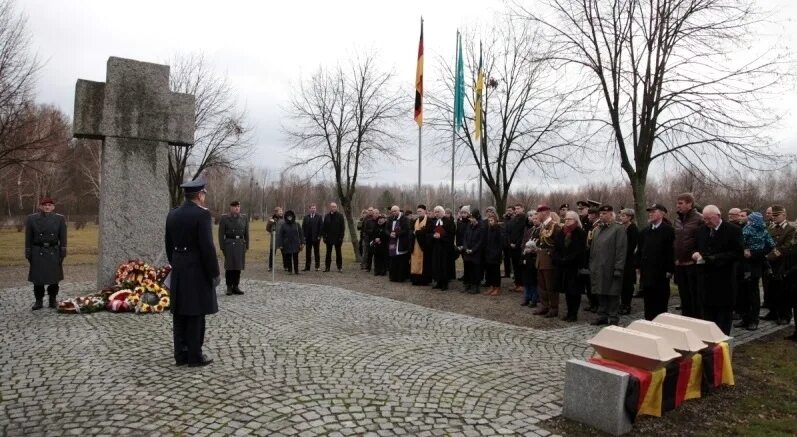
{"x": 527, "y": 118}
{"x": 222, "y": 137}
{"x": 18, "y": 68}
{"x": 342, "y": 121}
{"x": 672, "y": 80}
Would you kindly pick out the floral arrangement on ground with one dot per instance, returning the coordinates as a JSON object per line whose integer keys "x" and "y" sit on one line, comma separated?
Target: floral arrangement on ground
{"x": 138, "y": 287}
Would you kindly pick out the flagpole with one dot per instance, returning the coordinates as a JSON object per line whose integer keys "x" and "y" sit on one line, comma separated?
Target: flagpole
{"x": 454, "y": 130}
{"x": 419, "y": 161}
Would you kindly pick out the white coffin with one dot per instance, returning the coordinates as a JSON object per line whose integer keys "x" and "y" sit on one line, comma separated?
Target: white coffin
{"x": 681, "y": 339}
{"x": 707, "y": 332}
{"x": 634, "y": 348}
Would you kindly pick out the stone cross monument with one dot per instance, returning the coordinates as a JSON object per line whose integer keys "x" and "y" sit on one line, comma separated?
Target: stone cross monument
{"x": 137, "y": 117}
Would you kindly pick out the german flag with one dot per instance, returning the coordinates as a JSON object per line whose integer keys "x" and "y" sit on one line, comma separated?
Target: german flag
{"x": 419, "y": 82}
{"x": 653, "y": 392}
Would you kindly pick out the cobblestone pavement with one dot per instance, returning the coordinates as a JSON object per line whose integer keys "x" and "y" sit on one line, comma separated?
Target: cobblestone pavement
{"x": 290, "y": 359}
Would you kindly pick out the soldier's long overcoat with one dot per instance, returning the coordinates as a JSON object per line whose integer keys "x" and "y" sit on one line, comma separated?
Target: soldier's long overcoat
{"x": 234, "y": 240}
{"x": 45, "y": 247}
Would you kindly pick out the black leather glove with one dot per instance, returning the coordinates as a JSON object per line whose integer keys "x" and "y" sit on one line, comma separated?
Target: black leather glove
{"x": 27, "y": 253}
{"x": 63, "y": 252}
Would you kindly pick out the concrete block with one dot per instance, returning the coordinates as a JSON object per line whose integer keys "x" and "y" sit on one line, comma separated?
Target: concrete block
{"x": 89, "y": 100}
{"x": 595, "y": 395}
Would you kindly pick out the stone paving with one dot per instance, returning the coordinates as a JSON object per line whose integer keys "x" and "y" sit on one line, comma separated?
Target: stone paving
{"x": 290, "y": 359}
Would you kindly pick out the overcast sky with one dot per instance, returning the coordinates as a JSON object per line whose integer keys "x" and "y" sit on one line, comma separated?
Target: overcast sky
{"x": 266, "y": 48}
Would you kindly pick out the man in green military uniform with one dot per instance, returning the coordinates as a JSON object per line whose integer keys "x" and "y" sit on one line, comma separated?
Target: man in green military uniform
{"x": 234, "y": 242}
{"x": 45, "y": 250}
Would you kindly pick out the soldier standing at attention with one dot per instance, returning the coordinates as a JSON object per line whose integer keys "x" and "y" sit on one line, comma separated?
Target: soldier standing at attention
{"x": 234, "y": 242}
{"x": 195, "y": 274}
{"x": 45, "y": 250}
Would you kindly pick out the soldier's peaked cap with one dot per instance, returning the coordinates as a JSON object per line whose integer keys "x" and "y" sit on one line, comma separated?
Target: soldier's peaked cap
{"x": 193, "y": 186}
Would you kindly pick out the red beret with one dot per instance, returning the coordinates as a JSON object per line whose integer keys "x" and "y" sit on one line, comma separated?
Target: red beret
{"x": 46, "y": 200}
{"x": 541, "y": 208}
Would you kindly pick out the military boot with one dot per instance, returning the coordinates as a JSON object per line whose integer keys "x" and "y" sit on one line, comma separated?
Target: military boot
{"x": 51, "y": 301}
{"x": 236, "y": 290}
{"x": 39, "y": 304}
{"x": 229, "y": 291}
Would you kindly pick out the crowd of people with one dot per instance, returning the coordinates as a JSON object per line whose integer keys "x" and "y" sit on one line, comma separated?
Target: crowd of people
{"x": 719, "y": 264}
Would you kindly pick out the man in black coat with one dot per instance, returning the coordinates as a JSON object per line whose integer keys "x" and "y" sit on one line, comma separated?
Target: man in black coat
{"x": 656, "y": 261}
{"x": 311, "y": 228}
{"x": 332, "y": 232}
{"x": 194, "y": 276}
{"x": 440, "y": 231}
{"x": 398, "y": 228}
{"x": 369, "y": 227}
{"x": 45, "y": 250}
{"x": 719, "y": 249}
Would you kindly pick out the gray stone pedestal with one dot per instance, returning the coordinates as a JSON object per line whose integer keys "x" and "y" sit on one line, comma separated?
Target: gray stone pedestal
{"x": 595, "y": 395}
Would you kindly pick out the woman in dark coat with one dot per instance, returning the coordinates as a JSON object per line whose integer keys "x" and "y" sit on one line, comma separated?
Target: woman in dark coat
{"x": 493, "y": 248}
{"x": 289, "y": 240}
{"x": 627, "y": 218}
{"x": 472, "y": 252}
{"x": 379, "y": 236}
{"x": 570, "y": 247}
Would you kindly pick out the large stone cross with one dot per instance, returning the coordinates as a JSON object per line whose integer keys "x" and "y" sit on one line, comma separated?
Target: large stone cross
{"x": 137, "y": 117}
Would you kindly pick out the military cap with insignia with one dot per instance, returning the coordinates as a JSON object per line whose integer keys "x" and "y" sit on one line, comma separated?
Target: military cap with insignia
{"x": 657, "y": 206}
{"x": 235, "y": 203}
{"x": 194, "y": 186}
{"x": 606, "y": 208}
{"x": 564, "y": 206}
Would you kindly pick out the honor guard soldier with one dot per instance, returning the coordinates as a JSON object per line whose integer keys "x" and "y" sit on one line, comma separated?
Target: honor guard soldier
{"x": 234, "y": 242}
{"x": 45, "y": 250}
{"x": 195, "y": 273}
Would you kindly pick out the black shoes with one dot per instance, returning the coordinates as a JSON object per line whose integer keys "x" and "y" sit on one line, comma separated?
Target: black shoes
{"x": 229, "y": 291}
{"x": 740, "y": 324}
{"x": 51, "y": 302}
{"x": 306, "y": 269}
{"x": 625, "y": 310}
{"x": 591, "y": 309}
{"x": 236, "y": 290}
{"x": 752, "y": 326}
{"x": 600, "y": 322}
{"x": 204, "y": 362}
{"x": 569, "y": 318}
{"x": 326, "y": 270}
{"x": 771, "y": 316}
{"x": 37, "y": 305}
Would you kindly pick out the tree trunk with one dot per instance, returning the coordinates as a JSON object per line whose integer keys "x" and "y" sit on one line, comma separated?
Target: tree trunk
{"x": 638, "y": 184}
{"x": 355, "y": 239}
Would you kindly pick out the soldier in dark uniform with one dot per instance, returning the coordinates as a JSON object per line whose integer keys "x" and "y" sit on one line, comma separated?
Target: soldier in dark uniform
{"x": 234, "y": 242}
{"x": 45, "y": 250}
{"x": 195, "y": 274}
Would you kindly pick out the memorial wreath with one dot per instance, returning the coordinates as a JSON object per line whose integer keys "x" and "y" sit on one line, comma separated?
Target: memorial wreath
{"x": 138, "y": 288}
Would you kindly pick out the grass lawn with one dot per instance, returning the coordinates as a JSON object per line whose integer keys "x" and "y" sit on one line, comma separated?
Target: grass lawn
{"x": 82, "y": 246}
